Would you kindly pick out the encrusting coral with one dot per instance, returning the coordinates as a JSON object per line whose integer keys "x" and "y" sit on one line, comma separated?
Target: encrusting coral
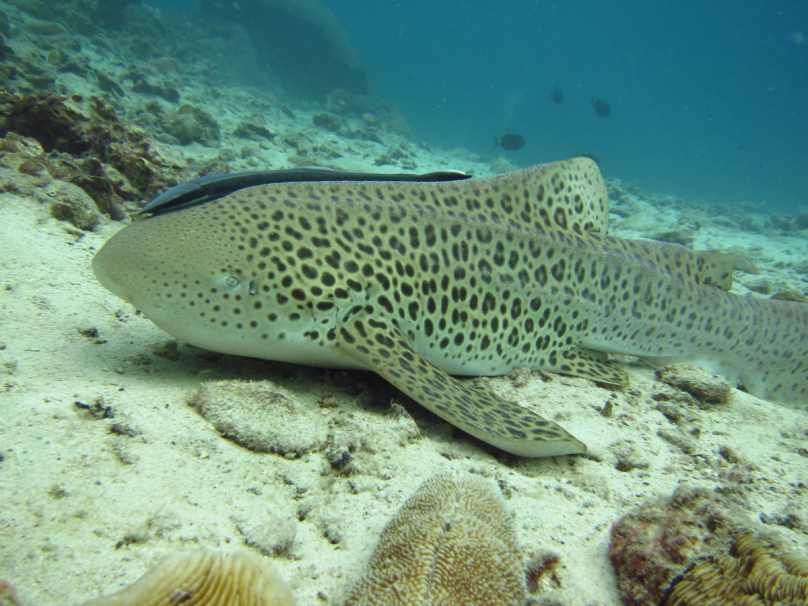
{"x": 655, "y": 542}
{"x": 452, "y": 543}
{"x": 754, "y": 573}
{"x": 203, "y": 577}
{"x": 695, "y": 548}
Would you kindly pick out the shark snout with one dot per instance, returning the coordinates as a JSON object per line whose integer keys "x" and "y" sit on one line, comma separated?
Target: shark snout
{"x": 103, "y": 274}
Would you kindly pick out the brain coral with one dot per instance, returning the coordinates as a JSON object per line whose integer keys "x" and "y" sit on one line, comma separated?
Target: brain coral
{"x": 754, "y": 573}
{"x": 452, "y": 544}
{"x": 204, "y": 577}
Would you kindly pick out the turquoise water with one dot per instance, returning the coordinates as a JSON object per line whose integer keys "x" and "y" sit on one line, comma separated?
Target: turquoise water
{"x": 708, "y": 99}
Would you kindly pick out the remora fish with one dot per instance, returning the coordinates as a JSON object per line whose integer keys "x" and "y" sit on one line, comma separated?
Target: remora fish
{"x": 420, "y": 281}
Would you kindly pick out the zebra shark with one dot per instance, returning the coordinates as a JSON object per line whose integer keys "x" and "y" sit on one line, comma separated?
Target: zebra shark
{"x": 419, "y": 281}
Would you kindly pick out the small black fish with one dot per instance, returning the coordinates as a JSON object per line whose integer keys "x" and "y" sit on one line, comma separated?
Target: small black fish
{"x": 558, "y": 95}
{"x": 511, "y": 142}
{"x": 602, "y": 108}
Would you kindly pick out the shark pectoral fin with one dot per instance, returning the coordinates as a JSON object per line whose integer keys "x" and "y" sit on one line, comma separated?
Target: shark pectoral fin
{"x": 594, "y": 355}
{"x": 479, "y": 412}
{"x": 578, "y": 363}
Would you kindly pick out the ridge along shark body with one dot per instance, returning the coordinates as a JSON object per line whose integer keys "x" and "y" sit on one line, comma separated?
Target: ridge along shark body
{"x": 420, "y": 281}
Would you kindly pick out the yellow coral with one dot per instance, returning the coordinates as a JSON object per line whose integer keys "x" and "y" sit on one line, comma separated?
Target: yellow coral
{"x": 754, "y": 573}
{"x": 204, "y": 577}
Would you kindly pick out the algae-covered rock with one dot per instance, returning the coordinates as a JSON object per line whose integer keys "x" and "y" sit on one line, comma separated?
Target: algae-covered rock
{"x": 685, "y": 237}
{"x": 44, "y": 28}
{"x": 82, "y": 16}
{"x": 790, "y": 295}
{"x": 190, "y": 123}
{"x": 261, "y": 417}
{"x": 654, "y": 543}
{"x": 762, "y": 286}
{"x": 58, "y": 122}
{"x": 782, "y": 223}
{"x": 253, "y": 131}
{"x": 5, "y": 28}
{"x": 169, "y": 93}
{"x": 706, "y": 387}
{"x": 72, "y": 204}
{"x": 327, "y": 121}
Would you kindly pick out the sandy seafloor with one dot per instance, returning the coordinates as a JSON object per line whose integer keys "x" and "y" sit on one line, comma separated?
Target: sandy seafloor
{"x": 88, "y": 504}
{"x": 85, "y": 511}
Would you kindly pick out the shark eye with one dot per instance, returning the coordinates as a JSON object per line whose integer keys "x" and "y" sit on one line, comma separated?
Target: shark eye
{"x": 231, "y": 281}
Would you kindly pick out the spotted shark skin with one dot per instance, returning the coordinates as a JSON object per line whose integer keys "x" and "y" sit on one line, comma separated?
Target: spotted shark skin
{"x": 421, "y": 281}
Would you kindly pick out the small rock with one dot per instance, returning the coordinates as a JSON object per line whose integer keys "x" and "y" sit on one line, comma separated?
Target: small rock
{"x": 250, "y": 130}
{"x": 44, "y": 28}
{"x": 32, "y": 166}
{"x": 260, "y": 417}
{"x": 328, "y": 121}
{"x": 790, "y": 295}
{"x": 628, "y": 458}
{"x": 226, "y": 155}
{"x": 169, "y": 93}
{"x": 705, "y": 387}
{"x": 191, "y": 124}
{"x": 761, "y": 286}
{"x": 72, "y": 204}
{"x": 168, "y": 64}
{"x": 273, "y": 536}
{"x": 673, "y": 411}
{"x": 109, "y": 84}
{"x": 675, "y": 236}
{"x": 678, "y": 438}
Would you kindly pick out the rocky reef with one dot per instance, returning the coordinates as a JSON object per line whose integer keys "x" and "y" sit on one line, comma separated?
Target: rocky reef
{"x": 80, "y": 141}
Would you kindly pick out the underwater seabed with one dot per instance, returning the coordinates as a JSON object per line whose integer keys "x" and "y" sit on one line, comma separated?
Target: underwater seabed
{"x": 120, "y": 445}
{"x": 109, "y": 465}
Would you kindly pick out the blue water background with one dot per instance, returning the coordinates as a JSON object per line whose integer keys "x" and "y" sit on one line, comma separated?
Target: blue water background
{"x": 709, "y": 99}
